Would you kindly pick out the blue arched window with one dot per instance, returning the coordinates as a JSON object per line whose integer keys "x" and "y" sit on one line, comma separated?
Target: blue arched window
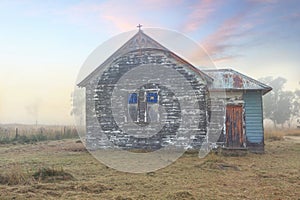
{"x": 133, "y": 98}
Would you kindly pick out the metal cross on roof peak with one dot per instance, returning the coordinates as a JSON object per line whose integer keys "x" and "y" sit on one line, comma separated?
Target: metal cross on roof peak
{"x": 139, "y": 26}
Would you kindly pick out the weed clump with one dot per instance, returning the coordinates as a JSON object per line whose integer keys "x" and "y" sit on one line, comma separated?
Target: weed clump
{"x": 122, "y": 198}
{"x": 48, "y": 174}
{"x": 181, "y": 195}
{"x": 16, "y": 176}
{"x": 274, "y": 138}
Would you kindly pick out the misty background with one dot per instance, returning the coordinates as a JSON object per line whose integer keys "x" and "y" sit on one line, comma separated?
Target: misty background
{"x": 44, "y": 44}
{"x": 281, "y": 107}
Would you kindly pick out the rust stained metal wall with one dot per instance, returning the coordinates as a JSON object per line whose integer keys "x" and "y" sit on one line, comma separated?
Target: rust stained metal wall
{"x": 229, "y": 79}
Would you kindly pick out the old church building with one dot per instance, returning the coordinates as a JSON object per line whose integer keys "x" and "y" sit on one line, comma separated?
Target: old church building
{"x": 226, "y": 108}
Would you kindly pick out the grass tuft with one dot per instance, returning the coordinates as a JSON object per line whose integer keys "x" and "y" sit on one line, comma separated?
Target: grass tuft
{"x": 47, "y": 174}
{"x": 16, "y": 176}
{"x": 181, "y": 195}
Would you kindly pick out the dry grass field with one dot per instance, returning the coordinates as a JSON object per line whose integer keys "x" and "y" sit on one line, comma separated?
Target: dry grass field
{"x": 62, "y": 169}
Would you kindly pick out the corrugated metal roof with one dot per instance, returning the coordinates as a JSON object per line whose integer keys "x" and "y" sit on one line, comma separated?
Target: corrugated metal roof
{"x": 230, "y": 79}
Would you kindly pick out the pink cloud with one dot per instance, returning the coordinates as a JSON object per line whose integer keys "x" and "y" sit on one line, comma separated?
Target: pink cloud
{"x": 292, "y": 16}
{"x": 119, "y": 15}
{"x": 231, "y": 30}
{"x": 128, "y": 15}
{"x": 122, "y": 25}
{"x": 234, "y": 32}
{"x": 201, "y": 11}
{"x": 263, "y": 1}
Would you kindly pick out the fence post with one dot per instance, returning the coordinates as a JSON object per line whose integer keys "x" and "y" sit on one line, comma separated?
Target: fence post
{"x": 17, "y": 133}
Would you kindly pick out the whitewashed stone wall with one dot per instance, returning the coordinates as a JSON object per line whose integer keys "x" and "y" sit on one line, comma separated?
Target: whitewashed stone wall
{"x": 99, "y": 115}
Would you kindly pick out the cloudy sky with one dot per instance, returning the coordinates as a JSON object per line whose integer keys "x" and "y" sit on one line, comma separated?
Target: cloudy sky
{"x": 43, "y": 44}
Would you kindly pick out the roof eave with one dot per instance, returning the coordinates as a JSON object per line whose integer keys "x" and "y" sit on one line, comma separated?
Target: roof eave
{"x": 266, "y": 90}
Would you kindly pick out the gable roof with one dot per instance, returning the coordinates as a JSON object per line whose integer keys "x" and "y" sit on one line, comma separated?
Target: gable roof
{"x": 230, "y": 79}
{"x": 220, "y": 79}
{"x": 140, "y": 41}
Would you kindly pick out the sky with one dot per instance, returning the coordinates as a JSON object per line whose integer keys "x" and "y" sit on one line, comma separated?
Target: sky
{"x": 43, "y": 44}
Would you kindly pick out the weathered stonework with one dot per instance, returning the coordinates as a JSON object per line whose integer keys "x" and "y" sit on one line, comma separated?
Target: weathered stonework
{"x": 111, "y": 85}
{"x": 99, "y": 102}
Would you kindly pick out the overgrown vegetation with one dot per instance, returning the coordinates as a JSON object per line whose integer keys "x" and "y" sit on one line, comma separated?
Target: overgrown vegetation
{"x": 278, "y": 134}
{"x": 51, "y": 174}
{"x": 16, "y": 175}
{"x": 272, "y": 175}
{"x": 30, "y": 134}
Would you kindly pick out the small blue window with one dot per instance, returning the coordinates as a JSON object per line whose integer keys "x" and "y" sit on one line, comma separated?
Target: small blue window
{"x": 152, "y": 97}
{"x": 132, "y": 99}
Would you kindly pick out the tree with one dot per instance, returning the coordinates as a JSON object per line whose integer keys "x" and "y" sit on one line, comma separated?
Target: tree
{"x": 284, "y": 107}
{"x": 279, "y": 105}
{"x": 295, "y": 107}
{"x": 268, "y": 100}
{"x": 78, "y": 105}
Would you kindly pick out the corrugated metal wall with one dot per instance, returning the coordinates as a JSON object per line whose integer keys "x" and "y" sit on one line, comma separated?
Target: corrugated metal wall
{"x": 254, "y": 116}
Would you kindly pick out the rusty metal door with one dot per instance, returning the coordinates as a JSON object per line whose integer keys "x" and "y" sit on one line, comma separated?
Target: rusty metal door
{"x": 234, "y": 126}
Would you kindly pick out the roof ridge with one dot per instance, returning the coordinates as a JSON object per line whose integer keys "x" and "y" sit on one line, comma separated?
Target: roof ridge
{"x": 140, "y": 32}
{"x": 222, "y": 69}
{"x": 151, "y": 41}
{"x": 254, "y": 80}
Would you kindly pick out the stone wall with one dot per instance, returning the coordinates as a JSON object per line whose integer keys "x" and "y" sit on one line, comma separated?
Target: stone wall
{"x": 105, "y": 130}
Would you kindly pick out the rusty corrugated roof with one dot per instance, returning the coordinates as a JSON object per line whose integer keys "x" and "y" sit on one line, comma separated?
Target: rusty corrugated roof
{"x": 230, "y": 79}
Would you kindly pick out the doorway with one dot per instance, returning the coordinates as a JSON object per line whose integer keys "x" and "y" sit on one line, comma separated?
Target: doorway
{"x": 234, "y": 126}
